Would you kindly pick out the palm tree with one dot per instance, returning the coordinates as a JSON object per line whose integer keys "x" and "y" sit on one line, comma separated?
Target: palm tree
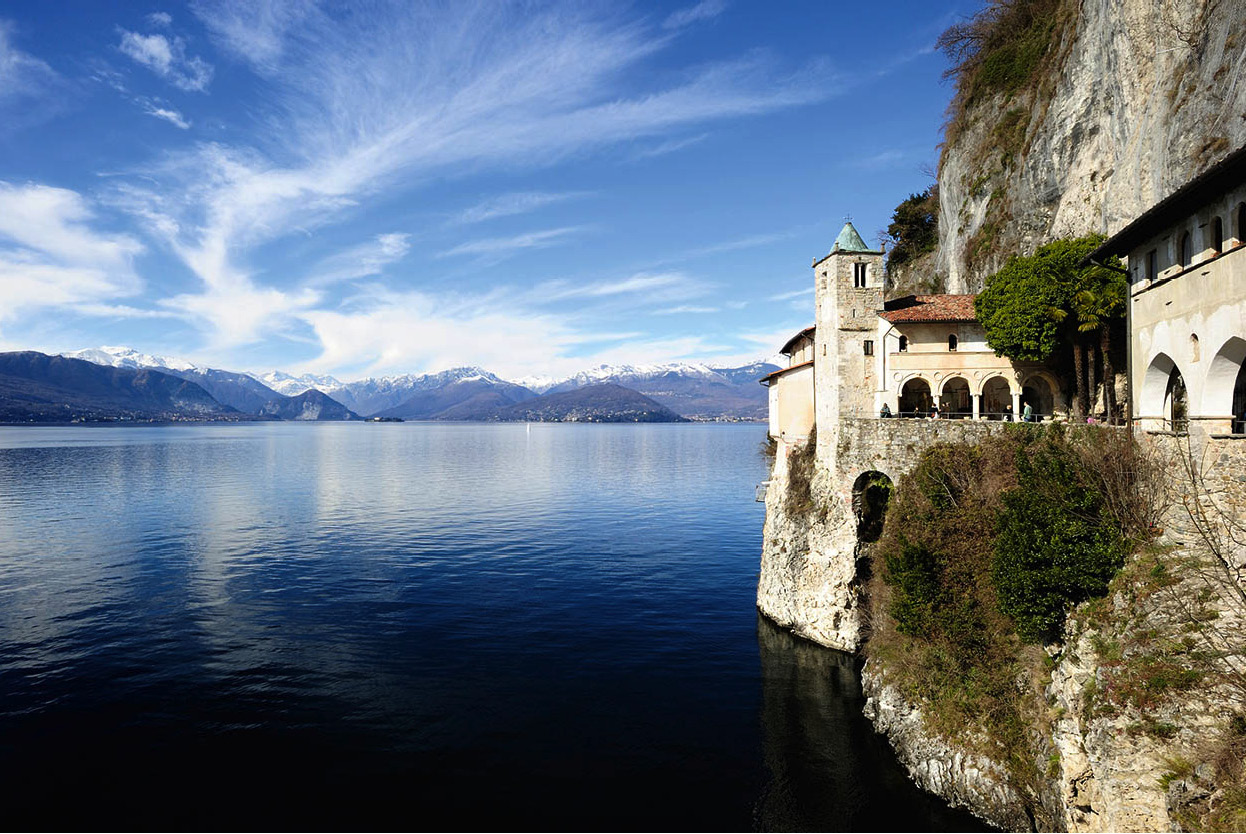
{"x": 1097, "y": 307}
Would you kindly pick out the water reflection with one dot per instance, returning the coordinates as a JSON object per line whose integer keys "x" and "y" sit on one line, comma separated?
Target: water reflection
{"x": 829, "y": 770}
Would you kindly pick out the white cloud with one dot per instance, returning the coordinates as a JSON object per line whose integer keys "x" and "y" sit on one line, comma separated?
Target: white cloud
{"x": 50, "y": 255}
{"x": 168, "y": 114}
{"x": 507, "y": 205}
{"x": 160, "y": 19}
{"x": 166, "y": 57}
{"x": 362, "y": 261}
{"x": 502, "y": 246}
{"x": 705, "y": 10}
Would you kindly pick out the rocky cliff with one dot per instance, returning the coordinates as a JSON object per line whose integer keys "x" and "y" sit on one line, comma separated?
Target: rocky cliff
{"x": 1131, "y": 99}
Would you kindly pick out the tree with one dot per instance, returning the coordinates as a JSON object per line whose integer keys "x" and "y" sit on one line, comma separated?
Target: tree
{"x": 914, "y": 228}
{"x": 1030, "y": 309}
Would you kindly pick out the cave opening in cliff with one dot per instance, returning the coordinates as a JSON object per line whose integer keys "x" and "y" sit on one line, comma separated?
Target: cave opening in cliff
{"x": 871, "y": 493}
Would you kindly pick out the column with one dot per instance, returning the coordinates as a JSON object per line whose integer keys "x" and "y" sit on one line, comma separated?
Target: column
{"x": 1016, "y": 406}
{"x": 977, "y": 405}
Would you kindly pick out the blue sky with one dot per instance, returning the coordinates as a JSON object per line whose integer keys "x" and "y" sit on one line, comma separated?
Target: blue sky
{"x": 368, "y": 188}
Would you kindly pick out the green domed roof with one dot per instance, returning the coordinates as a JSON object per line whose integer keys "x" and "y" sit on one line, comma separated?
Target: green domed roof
{"x": 849, "y": 240}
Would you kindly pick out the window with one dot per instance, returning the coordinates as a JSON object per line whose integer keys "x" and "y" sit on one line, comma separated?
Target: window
{"x": 1217, "y": 236}
{"x": 858, "y": 275}
{"x": 1186, "y": 254}
{"x": 1241, "y": 222}
{"x": 904, "y": 343}
{"x": 1150, "y": 265}
{"x": 1194, "y": 351}
{"x": 951, "y": 342}
{"x": 869, "y": 348}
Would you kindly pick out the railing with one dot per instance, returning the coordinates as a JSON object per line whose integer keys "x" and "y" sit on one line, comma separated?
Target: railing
{"x": 759, "y": 494}
{"x": 997, "y": 416}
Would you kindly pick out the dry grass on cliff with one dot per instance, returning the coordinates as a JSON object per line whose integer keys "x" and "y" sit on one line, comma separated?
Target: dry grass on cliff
{"x": 801, "y": 465}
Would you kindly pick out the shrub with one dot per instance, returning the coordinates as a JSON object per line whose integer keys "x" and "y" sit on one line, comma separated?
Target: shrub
{"x": 1054, "y": 546}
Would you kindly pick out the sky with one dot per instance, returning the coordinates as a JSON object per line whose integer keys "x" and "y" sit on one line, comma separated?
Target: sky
{"x": 372, "y": 188}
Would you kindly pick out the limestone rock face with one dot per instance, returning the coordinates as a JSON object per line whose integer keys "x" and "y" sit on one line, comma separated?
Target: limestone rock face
{"x": 806, "y": 584}
{"x": 1147, "y": 94}
{"x": 962, "y": 778}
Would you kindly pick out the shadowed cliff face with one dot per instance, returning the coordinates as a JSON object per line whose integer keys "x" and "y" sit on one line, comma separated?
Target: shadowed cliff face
{"x": 1138, "y": 97}
{"x": 829, "y": 770}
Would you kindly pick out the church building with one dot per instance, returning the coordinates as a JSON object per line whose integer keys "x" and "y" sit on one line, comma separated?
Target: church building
{"x": 916, "y": 356}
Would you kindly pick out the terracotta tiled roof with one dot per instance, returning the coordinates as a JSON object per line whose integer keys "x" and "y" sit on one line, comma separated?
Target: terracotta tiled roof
{"x": 915, "y": 308}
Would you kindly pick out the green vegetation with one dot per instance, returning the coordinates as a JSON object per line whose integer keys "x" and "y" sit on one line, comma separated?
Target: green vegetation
{"x": 1001, "y": 49}
{"x": 1039, "y": 306}
{"x": 985, "y": 549}
{"x": 914, "y": 228}
{"x": 1055, "y": 546}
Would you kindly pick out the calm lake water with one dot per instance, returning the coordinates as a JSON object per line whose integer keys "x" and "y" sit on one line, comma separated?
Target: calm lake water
{"x": 413, "y": 625}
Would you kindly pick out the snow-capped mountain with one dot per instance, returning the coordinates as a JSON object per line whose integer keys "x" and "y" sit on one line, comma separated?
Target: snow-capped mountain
{"x": 380, "y": 394}
{"x": 292, "y": 386}
{"x": 230, "y": 388}
{"x": 692, "y": 389}
{"x": 127, "y": 357}
{"x": 616, "y": 373}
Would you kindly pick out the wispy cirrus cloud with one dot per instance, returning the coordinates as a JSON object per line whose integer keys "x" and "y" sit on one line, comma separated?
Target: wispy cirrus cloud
{"x": 508, "y": 205}
{"x": 168, "y": 114}
{"x": 497, "y": 247}
{"x": 166, "y": 57}
{"x": 705, "y": 10}
{"x": 30, "y": 90}
{"x": 669, "y": 146}
{"x": 361, "y": 104}
{"x": 362, "y": 261}
{"x": 662, "y": 287}
{"x": 788, "y": 296}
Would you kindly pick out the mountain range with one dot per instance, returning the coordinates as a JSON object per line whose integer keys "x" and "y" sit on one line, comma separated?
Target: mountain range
{"x": 669, "y": 391}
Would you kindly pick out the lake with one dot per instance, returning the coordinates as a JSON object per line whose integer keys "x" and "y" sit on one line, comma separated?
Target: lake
{"x": 414, "y": 625}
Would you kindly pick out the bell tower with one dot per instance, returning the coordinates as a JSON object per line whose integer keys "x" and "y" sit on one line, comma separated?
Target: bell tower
{"x": 849, "y": 285}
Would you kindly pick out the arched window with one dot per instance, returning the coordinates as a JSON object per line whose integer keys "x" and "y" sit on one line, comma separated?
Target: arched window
{"x": 1217, "y": 236}
{"x": 904, "y": 343}
{"x": 1194, "y": 347}
{"x": 1186, "y": 250}
{"x": 1241, "y": 223}
{"x": 951, "y": 342}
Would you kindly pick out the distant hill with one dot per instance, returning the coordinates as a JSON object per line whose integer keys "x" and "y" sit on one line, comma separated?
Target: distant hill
{"x": 38, "y": 387}
{"x": 310, "y": 405}
{"x": 602, "y": 403}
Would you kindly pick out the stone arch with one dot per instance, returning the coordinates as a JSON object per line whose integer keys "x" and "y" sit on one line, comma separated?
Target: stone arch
{"x": 955, "y": 399}
{"x": 915, "y": 396}
{"x": 1042, "y": 393}
{"x": 1152, "y": 397}
{"x": 871, "y": 494}
{"x": 1223, "y": 388}
{"x": 996, "y": 394}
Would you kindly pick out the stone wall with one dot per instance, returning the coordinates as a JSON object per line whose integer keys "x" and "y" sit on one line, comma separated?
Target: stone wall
{"x": 808, "y": 579}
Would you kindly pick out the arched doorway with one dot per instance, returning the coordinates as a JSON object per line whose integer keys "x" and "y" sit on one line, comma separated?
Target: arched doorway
{"x": 915, "y": 398}
{"x": 955, "y": 401}
{"x": 1224, "y": 391}
{"x": 996, "y": 399}
{"x": 1176, "y": 403}
{"x": 1039, "y": 395}
{"x": 871, "y": 493}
